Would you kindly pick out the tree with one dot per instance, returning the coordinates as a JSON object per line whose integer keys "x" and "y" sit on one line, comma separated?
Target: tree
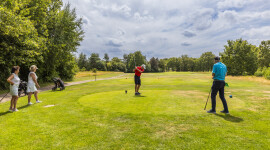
{"x": 134, "y": 57}
{"x": 117, "y": 65}
{"x": 107, "y": 59}
{"x": 82, "y": 61}
{"x": 240, "y": 57}
{"x": 154, "y": 64}
{"x": 264, "y": 54}
{"x": 93, "y": 61}
{"x": 207, "y": 61}
{"x": 17, "y": 47}
{"x": 40, "y": 32}
{"x": 162, "y": 65}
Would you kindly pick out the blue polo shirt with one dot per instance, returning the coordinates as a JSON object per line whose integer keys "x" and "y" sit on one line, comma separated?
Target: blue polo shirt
{"x": 220, "y": 70}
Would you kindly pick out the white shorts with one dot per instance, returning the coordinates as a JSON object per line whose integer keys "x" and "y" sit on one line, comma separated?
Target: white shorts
{"x": 31, "y": 88}
{"x": 14, "y": 90}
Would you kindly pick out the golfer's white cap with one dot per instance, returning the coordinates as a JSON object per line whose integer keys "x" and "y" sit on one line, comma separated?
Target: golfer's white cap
{"x": 143, "y": 65}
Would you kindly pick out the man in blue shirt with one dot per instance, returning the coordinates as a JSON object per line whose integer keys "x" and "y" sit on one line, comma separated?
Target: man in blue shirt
{"x": 219, "y": 72}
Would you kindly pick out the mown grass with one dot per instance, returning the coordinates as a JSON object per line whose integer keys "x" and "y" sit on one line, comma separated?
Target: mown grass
{"x": 89, "y": 75}
{"x": 169, "y": 115}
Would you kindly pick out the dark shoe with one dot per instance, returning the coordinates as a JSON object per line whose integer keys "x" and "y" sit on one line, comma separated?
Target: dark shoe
{"x": 139, "y": 93}
{"x": 225, "y": 112}
{"x": 211, "y": 111}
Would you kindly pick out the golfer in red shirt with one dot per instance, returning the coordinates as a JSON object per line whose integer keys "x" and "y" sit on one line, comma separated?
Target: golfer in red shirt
{"x": 137, "y": 78}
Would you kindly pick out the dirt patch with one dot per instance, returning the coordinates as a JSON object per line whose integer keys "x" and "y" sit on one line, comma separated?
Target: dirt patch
{"x": 169, "y": 131}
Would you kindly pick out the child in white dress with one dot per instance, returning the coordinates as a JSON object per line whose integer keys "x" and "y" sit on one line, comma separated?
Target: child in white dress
{"x": 32, "y": 84}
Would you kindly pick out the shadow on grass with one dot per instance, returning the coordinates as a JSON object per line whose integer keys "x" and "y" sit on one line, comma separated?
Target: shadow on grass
{"x": 22, "y": 107}
{"x": 7, "y": 112}
{"x": 139, "y": 96}
{"x": 230, "y": 118}
{"x": 4, "y": 113}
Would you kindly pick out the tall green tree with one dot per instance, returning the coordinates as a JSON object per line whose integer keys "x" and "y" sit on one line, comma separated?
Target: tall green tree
{"x": 264, "y": 54}
{"x": 107, "y": 59}
{"x": 240, "y": 57}
{"x": 82, "y": 61}
{"x": 133, "y": 58}
{"x": 207, "y": 61}
{"x": 19, "y": 43}
{"x": 154, "y": 64}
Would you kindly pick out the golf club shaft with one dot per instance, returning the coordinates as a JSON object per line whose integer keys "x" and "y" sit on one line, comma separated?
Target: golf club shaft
{"x": 208, "y": 98}
{"x": 134, "y": 61}
{"x": 4, "y": 96}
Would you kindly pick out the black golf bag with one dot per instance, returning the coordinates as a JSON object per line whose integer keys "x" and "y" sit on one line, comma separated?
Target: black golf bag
{"x": 22, "y": 88}
{"x": 58, "y": 83}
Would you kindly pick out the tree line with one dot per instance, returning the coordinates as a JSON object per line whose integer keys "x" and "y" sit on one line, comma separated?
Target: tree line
{"x": 240, "y": 57}
{"x": 127, "y": 64}
{"x": 41, "y": 32}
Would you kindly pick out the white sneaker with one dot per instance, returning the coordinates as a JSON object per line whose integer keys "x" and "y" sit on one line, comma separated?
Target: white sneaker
{"x": 15, "y": 110}
{"x": 30, "y": 103}
{"x": 10, "y": 110}
{"x": 38, "y": 101}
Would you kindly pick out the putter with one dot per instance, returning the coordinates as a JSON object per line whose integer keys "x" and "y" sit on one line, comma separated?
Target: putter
{"x": 208, "y": 98}
{"x": 4, "y": 97}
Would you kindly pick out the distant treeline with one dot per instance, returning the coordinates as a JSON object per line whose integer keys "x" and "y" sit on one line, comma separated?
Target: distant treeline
{"x": 127, "y": 64}
{"x": 240, "y": 57}
{"x": 38, "y": 32}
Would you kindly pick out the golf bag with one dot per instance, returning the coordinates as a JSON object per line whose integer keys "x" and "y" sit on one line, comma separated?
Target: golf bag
{"x": 22, "y": 88}
{"x": 58, "y": 83}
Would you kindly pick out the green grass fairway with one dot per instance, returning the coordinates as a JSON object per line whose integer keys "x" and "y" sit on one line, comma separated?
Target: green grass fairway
{"x": 168, "y": 115}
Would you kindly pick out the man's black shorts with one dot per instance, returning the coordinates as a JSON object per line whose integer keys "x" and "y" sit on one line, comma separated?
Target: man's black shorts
{"x": 137, "y": 80}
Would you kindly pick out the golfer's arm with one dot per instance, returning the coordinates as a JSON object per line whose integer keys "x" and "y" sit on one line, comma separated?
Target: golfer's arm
{"x": 139, "y": 70}
{"x": 9, "y": 79}
{"x": 213, "y": 75}
{"x": 34, "y": 79}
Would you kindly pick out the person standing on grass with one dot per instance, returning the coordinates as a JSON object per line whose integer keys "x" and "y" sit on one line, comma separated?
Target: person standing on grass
{"x": 218, "y": 74}
{"x": 14, "y": 81}
{"x": 137, "y": 78}
{"x": 32, "y": 84}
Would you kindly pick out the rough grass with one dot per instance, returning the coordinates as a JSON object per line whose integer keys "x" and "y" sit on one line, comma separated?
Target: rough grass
{"x": 169, "y": 115}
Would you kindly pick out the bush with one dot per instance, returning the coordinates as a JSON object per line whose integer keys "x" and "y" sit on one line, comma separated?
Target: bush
{"x": 83, "y": 69}
{"x": 94, "y": 70}
{"x": 259, "y": 73}
{"x": 267, "y": 73}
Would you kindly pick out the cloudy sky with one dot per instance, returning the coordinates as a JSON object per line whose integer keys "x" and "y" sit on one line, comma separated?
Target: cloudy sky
{"x": 170, "y": 28}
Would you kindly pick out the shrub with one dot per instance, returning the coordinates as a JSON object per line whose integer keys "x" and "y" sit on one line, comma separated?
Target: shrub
{"x": 267, "y": 73}
{"x": 259, "y": 73}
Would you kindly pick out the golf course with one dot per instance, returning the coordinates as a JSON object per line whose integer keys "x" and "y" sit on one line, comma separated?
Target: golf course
{"x": 169, "y": 114}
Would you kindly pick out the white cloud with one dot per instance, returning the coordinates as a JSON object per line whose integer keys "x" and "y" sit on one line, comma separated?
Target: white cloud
{"x": 170, "y": 28}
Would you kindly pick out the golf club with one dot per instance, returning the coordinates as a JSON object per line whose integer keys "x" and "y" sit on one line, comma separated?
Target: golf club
{"x": 134, "y": 61}
{"x": 208, "y": 98}
{"x": 4, "y": 97}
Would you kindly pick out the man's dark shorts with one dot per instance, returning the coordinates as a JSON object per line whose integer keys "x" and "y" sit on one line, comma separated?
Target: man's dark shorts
{"x": 137, "y": 80}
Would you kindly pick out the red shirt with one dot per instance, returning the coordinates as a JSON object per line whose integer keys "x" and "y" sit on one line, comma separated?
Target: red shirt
{"x": 137, "y": 73}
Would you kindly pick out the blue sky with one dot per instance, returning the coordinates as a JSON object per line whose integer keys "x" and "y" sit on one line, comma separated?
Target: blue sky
{"x": 170, "y": 28}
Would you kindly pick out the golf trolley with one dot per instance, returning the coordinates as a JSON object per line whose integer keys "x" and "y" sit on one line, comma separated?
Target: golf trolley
{"x": 58, "y": 84}
{"x": 22, "y": 88}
